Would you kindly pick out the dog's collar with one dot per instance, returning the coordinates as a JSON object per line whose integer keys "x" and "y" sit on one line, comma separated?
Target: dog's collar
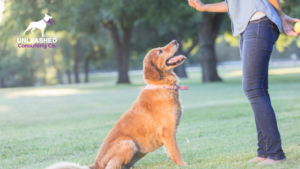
{"x": 172, "y": 87}
{"x": 48, "y": 21}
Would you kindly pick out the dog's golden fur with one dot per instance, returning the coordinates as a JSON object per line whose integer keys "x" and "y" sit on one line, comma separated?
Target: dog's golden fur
{"x": 152, "y": 120}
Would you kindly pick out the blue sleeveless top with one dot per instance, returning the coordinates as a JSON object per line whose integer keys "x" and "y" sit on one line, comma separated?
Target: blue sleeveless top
{"x": 241, "y": 11}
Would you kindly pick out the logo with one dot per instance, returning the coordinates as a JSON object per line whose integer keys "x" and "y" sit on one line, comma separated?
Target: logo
{"x": 38, "y": 42}
{"x": 40, "y": 24}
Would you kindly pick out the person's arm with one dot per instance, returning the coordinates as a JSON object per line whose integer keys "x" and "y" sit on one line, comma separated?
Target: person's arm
{"x": 217, "y": 7}
{"x": 287, "y": 21}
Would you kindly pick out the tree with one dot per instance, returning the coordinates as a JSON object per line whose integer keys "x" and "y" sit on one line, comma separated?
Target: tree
{"x": 183, "y": 27}
{"x": 65, "y": 44}
{"x": 120, "y": 18}
{"x": 121, "y": 47}
{"x": 164, "y": 24}
{"x": 3, "y": 53}
{"x": 208, "y": 31}
{"x": 188, "y": 24}
{"x": 79, "y": 21}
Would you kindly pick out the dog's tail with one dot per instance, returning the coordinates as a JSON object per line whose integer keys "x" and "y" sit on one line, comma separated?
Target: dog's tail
{"x": 68, "y": 165}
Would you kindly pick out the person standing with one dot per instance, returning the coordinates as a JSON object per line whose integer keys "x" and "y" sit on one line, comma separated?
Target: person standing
{"x": 259, "y": 23}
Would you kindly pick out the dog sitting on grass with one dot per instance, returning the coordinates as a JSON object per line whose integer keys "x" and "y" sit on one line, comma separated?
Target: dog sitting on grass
{"x": 152, "y": 120}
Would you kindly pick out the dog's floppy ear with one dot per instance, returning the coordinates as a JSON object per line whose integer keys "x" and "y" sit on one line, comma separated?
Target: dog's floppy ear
{"x": 151, "y": 72}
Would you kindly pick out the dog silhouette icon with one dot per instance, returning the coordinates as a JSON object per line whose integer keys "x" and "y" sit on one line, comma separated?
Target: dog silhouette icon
{"x": 40, "y": 24}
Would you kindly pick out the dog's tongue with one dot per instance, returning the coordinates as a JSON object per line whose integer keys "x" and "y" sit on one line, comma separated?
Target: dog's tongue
{"x": 176, "y": 59}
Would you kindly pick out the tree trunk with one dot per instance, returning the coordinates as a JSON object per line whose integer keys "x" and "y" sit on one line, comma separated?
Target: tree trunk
{"x": 59, "y": 76}
{"x": 208, "y": 32}
{"x": 3, "y": 54}
{"x": 180, "y": 70}
{"x": 209, "y": 64}
{"x": 86, "y": 68}
{"x": 76, "y": 63}
{"x": 122, "y": 50}
{"x": 76, "y": 73}
{"x": 69, "y": 76}
{"x": 123, "y": 58}
{"x": 58, "y": 72}
{"x": 44, "y": 80}
{"x": 1, "y": 83}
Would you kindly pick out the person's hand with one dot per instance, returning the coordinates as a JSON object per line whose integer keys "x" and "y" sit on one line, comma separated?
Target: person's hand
{"x": 287, "y": 24}
{"x": 197, "y": 4}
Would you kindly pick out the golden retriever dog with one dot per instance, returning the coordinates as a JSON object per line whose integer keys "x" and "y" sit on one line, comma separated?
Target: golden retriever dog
{"x": 152, "y": 120}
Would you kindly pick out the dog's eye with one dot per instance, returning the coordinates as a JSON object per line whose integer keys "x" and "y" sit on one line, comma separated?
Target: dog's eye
{"x": 160, "y": 52}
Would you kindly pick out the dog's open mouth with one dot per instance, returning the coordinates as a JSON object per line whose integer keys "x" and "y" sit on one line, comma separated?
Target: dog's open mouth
{"x": 175, "y": 60}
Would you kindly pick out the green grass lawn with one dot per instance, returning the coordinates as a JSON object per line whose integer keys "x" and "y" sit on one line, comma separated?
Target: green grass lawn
{"x": 40, "y": 126}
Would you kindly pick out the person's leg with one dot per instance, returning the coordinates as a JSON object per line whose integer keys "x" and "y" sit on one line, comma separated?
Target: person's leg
{"x": 266, "y": 86}
{"x": 266, "y": 92}
{"x": 261, "y": 142}
{"x": 261, "y": 151}
{"x": 258, "y": 41}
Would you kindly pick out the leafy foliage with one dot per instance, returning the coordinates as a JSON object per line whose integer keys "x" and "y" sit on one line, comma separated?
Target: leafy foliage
{"x": 81, "y": 24}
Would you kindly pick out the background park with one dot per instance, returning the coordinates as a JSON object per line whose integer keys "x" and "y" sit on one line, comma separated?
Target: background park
{"x": 58, "y": 104}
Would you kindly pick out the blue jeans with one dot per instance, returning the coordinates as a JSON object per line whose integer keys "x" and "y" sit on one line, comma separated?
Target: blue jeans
{"x": 256, "y": 44}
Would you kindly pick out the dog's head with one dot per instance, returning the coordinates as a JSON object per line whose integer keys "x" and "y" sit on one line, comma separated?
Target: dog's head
{"x": 47, "y": 17}
{"x": 159, "y": 64}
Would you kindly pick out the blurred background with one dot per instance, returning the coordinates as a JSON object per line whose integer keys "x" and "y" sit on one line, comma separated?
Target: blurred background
{"x": 58, "y": 104}
{"x": 109, "y": 38}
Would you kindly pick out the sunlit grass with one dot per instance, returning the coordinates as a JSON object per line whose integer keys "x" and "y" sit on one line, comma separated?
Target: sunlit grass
{"x": 40, "y": 126}
{"x": 195, "y": 75}
{"x": 40, "y": 92}
{"x": 273, "y": 71}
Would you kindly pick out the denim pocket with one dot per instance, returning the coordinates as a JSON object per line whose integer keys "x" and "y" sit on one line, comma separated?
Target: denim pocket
{"x": 275, "y": 33}
{"x": 267, "y": 32}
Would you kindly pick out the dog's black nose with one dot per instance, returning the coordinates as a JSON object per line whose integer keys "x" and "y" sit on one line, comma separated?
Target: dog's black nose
{"x": 175, "y": 42}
